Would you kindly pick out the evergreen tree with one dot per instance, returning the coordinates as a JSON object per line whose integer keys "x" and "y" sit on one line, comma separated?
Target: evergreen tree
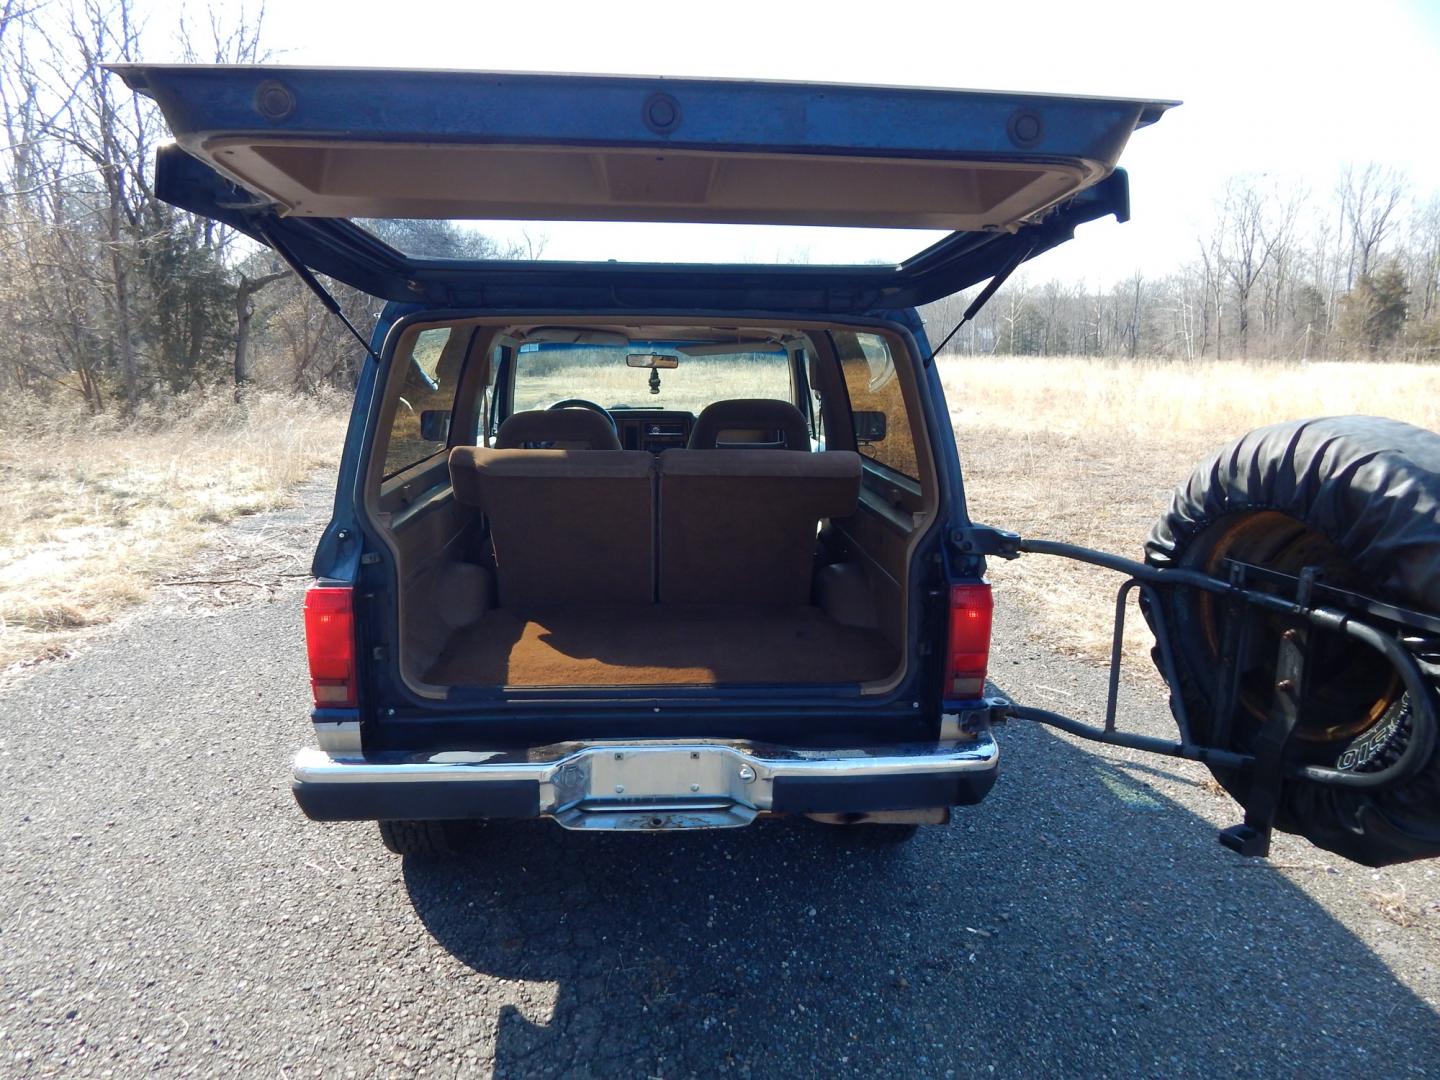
{"x": 1373, "y": 312}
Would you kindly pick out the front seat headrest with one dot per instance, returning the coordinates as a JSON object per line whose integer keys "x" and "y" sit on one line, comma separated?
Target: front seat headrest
{"x": 560, "y": 429}
{"x": 746, "y": 423}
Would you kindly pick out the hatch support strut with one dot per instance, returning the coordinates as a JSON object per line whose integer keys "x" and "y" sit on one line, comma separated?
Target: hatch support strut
{"x": 312, "y": 283}
{"x": 991, "y": 288}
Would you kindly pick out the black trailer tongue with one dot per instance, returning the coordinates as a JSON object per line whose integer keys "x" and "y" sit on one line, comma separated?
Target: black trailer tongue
{"x": 1309, "y": 611}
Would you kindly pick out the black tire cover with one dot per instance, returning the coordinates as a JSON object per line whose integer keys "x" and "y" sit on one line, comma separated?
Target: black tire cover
{"x": 1372, "y": 486}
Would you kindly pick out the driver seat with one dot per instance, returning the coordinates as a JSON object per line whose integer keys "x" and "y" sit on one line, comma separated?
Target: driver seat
{"x": 556, "y": 429}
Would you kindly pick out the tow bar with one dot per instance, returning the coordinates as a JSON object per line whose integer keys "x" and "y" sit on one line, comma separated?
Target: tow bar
{"x": 1307, "y": 606}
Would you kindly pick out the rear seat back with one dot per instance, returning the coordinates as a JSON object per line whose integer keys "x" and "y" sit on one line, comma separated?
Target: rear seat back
{"x": 569, "y": 527}
{"x": 738, "y": 526}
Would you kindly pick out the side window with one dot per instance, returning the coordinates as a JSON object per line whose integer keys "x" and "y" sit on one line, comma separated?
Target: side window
{"x": 877, "y": 406}
{"x": 422, "y": 419}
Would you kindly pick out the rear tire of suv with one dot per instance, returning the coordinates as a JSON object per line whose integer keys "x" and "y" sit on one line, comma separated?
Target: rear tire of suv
{"x": 1359, "y": 498}
{"x": 427, "y": 839}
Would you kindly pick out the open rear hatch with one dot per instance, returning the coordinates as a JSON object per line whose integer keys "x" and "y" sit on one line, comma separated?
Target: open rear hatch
{"x": 289, "y": 155}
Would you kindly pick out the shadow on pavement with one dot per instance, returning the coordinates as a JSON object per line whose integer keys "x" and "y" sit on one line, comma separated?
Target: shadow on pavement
{"x": 1053, "y": 929}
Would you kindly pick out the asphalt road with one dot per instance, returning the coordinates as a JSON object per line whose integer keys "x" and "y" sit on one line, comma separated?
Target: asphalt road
{"x": 164, "y": 907}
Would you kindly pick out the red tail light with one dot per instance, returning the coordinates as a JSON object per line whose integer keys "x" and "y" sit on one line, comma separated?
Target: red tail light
{"x": 330, "y": 643}
{"x": 968, "y": 655}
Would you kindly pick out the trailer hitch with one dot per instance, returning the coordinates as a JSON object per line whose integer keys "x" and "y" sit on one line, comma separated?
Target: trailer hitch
{"x": 1269, "y": 765}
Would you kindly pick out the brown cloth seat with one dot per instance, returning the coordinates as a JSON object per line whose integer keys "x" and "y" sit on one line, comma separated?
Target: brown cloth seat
{"x": 569, "y": 527}
{"x": 749, "y": 423}
{"x": 738, "y": 526}
{"x": 559, "y": 429}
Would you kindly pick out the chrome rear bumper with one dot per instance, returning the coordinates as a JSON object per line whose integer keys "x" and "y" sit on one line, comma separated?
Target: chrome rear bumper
{"x": 646, "y": 784}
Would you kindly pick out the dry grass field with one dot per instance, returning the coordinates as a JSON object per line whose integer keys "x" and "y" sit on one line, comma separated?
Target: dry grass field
{"x": 98, "y": 510}
{"x": 1088, "y": 451}
{"x": 1071, "y": 449}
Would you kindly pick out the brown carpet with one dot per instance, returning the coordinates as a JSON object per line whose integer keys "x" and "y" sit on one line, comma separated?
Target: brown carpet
{"x": 656, "y": 644}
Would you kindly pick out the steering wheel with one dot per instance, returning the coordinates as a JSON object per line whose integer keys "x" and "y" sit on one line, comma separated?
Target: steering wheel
{"x": 583, "y": 403}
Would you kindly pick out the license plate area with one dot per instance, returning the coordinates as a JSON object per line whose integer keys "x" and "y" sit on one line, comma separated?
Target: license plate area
{"x": 659, "y": 788}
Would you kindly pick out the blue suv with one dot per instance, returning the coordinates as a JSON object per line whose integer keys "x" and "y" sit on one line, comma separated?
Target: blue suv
{"x": 675, "y": 545}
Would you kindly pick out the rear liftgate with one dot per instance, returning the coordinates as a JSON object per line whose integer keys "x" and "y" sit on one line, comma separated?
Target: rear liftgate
{"x": 1308, "y": 609}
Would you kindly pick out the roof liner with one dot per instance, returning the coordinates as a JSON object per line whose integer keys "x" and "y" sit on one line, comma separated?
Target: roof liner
{"x": 426, "y": 180}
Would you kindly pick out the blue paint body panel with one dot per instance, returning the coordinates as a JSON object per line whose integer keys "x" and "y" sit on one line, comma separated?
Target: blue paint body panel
{"x": 397, "y": 105}
{"x": 211, "y": 108}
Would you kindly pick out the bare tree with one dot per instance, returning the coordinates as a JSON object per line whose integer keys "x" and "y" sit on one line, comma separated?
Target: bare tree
{"x": 1425, "y": 277}
{"x": 1257, "y": 224}
{"x": 1370, "y": 199}
{"x": 1130, "y": 295}
{"x": 1013, "y": 311}
{"x": 116, "y": 141}
{"x": 1212, "y": 272}
{"x": 244, "y": 313}
{"x": 138, "y": 294}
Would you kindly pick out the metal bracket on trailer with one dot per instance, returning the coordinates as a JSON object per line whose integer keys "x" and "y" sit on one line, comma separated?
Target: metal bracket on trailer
{"x": 987, "y": 540}
{"x": 1270, "y": 766}
{"x": 1252, "y": 836}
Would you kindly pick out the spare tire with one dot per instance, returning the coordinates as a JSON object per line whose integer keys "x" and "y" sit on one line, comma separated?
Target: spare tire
{"x": 1359, "y": 497}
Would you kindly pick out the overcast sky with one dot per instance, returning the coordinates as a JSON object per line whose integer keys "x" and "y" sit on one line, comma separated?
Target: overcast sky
{"x": 1291, "y": 89}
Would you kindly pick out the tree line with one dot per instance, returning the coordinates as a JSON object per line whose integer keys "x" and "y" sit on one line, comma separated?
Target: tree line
{"x": 111, "y": 297}
{"x": 106, "y": 292}
{"x": 1348, "y": 272}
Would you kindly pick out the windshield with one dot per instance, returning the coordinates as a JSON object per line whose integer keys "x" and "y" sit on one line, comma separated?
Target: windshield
{"x": 547, "y": 373}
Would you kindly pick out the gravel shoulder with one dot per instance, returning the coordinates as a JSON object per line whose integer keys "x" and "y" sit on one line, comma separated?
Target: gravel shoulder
{"x": 164, "y": 906}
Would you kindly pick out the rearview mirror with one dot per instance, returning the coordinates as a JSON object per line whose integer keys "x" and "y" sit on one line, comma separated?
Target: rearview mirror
{"x": 435, "y": 425}
{"x": 869, "y": 426}
{"x": 652, "y": 361}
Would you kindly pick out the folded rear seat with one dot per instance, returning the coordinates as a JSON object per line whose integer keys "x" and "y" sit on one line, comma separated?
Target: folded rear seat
{"x": 569, "y": 527}
{"x": 738, "y": 526}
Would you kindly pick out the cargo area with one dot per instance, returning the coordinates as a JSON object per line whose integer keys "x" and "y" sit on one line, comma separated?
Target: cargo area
{"x": 657, "y": 646}
{"x": 704, "y": 540}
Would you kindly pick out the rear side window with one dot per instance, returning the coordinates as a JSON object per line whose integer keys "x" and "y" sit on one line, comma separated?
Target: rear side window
{"x": 422, "y": 418}
{"x": 877, "y": 406}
